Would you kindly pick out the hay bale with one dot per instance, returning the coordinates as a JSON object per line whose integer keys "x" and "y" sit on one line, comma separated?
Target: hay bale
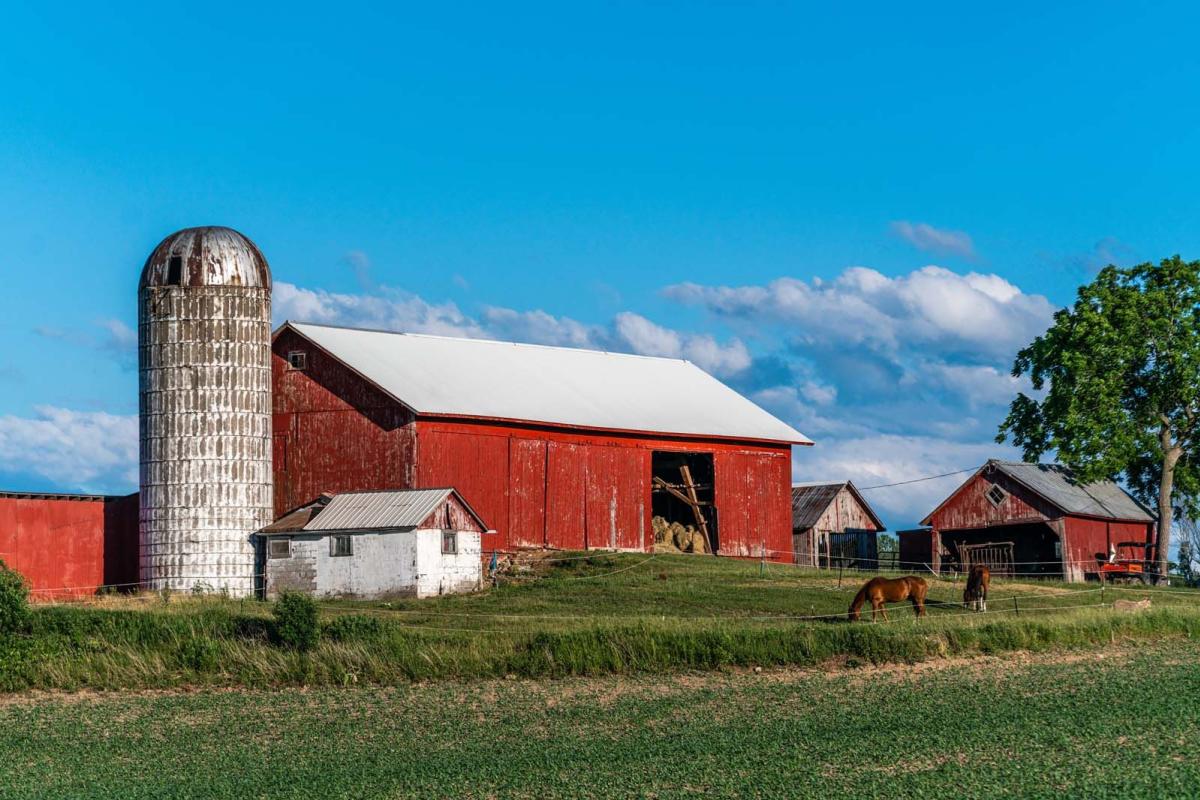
{"x": 661, "y": 528}
{"x": 680, "y": 537}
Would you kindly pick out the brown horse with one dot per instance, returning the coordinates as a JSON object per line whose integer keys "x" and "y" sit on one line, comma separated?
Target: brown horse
{"x": 890, "y": 590}
{"x": 978, "y": 580}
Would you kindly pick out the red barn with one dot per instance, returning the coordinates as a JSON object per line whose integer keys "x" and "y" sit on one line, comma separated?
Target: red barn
{"x": 69, "y": 544}
{"x": 1037, "y": 519}
{"x": 556, "y": 447}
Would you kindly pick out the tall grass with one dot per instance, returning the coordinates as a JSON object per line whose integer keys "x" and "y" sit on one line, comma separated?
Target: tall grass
{"x": 78, "y": 647}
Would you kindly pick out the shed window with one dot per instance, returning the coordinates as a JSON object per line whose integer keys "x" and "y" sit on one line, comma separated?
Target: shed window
{"x": 996, "y": 495}
{"x": 449, "y": 543}
{"x": 279, "y": 548}
{"x": 340, "y": 546}
{"x": 297, "y": 359}
{"x": 174, "y": 270}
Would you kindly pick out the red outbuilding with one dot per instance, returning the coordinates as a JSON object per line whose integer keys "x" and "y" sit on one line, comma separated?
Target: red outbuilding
{"x": 1036, "y": 519}
{"x": 556, "y": 447}
{"x": 69, "y": 545}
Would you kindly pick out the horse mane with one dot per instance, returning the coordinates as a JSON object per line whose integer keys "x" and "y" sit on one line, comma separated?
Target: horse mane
{"x": 860, "y": 598}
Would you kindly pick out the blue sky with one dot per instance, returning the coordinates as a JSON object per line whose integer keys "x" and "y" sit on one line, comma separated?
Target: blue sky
{"x": 854, "y": 216}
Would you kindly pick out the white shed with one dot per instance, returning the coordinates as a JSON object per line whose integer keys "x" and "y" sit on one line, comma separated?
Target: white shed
{"x": 415, "y": 543}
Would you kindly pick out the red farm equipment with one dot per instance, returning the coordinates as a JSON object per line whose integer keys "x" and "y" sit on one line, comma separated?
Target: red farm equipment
{"x": 1127, "y": 561}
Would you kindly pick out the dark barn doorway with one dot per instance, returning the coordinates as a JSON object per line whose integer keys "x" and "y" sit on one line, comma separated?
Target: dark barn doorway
{"x": 682, "y": 491}
{"x": 1031, "y": 549}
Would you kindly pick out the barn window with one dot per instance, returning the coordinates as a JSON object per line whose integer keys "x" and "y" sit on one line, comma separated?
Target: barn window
{"x": 279, "y": 548}
{"x": 340, "y": 546}
{"x": 174, "y": 270}
{"x": 996, "y": 495}
{"x": 449, "y": 543}
{"x": 297, "y": 359}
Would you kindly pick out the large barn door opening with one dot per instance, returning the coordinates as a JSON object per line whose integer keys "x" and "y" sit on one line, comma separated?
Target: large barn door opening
{"x": 682, "y": 493}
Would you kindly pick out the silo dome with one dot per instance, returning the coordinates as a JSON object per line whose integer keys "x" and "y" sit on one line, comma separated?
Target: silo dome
{"x": 208, "y": 256}
{"x": 204, "y": 397}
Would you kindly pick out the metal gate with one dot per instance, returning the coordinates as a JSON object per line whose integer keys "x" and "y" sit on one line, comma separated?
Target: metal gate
{"x": 852, "y": 549}
{"x": 996, "y": 556}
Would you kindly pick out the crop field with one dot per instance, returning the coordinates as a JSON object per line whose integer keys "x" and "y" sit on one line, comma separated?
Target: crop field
{"x": 577, "y": 615}
{"x": 1116, "y": 720}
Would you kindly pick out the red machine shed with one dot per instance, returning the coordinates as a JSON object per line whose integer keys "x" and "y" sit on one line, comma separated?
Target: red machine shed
{"x": 556, "y": 447}
{"x": 1037, "y": 519}
{"x": 69, "y": 545}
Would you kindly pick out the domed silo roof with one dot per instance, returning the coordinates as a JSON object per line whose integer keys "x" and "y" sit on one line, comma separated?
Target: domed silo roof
{"x": 208, "y": 256}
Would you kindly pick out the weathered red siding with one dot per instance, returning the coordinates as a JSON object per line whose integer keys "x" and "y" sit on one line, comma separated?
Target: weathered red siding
{"x": 334, "y": 431}
{"x": 969, "y": 507}
{"x": 566, "y": 485}
{"x": 70, "y": 546}
{"x": 527, "y": 494}
{"x": 1088, "y": 540}
{"x": 754, "y": 502}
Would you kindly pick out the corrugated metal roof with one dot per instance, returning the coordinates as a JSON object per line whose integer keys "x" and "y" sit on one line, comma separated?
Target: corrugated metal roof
{"x": 359, "y": 511}
{"x": 809, "y": 501}
{"x": 552, "y": 385}
{"x": 1057, "y": 484}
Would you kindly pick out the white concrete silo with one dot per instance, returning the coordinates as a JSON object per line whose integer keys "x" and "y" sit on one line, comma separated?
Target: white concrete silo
{"x": 204, "y": 356}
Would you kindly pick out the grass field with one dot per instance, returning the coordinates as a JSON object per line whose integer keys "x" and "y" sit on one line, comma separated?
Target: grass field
{"x": 593, "y": 615}
{"x": 1118, "y": 720}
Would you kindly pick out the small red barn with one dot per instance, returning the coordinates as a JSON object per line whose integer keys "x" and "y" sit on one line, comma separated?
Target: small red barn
{"x": 1037, "y": 519}
{"x": 556, "y": 447}
{"x": 69, "y": 544}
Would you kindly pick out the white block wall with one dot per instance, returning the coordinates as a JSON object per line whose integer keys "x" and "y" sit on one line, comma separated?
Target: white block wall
{"x": 397, "y": 563}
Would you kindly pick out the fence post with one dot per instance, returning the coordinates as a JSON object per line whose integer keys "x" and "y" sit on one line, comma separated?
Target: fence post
{"x": 1016, "y": 608}
{"x": 840, "y": 565}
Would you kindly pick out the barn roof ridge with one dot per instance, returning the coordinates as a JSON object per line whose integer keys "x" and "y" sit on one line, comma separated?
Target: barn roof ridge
{"x": 465, "y": 378}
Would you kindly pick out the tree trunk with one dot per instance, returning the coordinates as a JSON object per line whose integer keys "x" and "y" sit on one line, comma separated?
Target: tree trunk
{"x": 1171, "y": 454}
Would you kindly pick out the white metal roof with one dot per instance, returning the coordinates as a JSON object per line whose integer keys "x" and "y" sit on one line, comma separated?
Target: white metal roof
{"x": 555, "y": 385}
{"x": 364, "y": 511}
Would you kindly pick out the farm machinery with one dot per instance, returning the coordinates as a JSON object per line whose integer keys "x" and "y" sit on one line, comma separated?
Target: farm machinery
{"x": 1128, "y": 562}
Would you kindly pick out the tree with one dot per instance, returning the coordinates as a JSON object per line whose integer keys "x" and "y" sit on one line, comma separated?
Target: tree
{"x": 1121, "y": 376}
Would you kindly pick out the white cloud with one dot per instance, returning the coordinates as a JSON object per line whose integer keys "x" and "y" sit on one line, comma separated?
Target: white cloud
{"x": 93, "y": 451}
{"x": 538, "y": 327}
{"x": 647, "y": 338}
{"x": 924, "y": 236}
{"x": 875, "y": 460}
{"x": 977, "y": 313}
{"x": 390, "y": 309}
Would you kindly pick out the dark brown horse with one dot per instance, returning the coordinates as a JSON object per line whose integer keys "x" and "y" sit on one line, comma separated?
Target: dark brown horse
{"x": 978, "y": 580}
{"x": 890, "y": 590}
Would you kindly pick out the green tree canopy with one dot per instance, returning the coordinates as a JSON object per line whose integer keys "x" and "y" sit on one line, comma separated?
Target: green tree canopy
{"x": 1119, "y": 375}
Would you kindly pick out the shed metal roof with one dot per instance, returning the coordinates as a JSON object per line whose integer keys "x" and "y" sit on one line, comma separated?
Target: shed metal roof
{"x": 477, "y": 378}
{"x": 809, "y": 501}
{"x": 1057, "y": 484}
{"x": 363, "y": 511}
